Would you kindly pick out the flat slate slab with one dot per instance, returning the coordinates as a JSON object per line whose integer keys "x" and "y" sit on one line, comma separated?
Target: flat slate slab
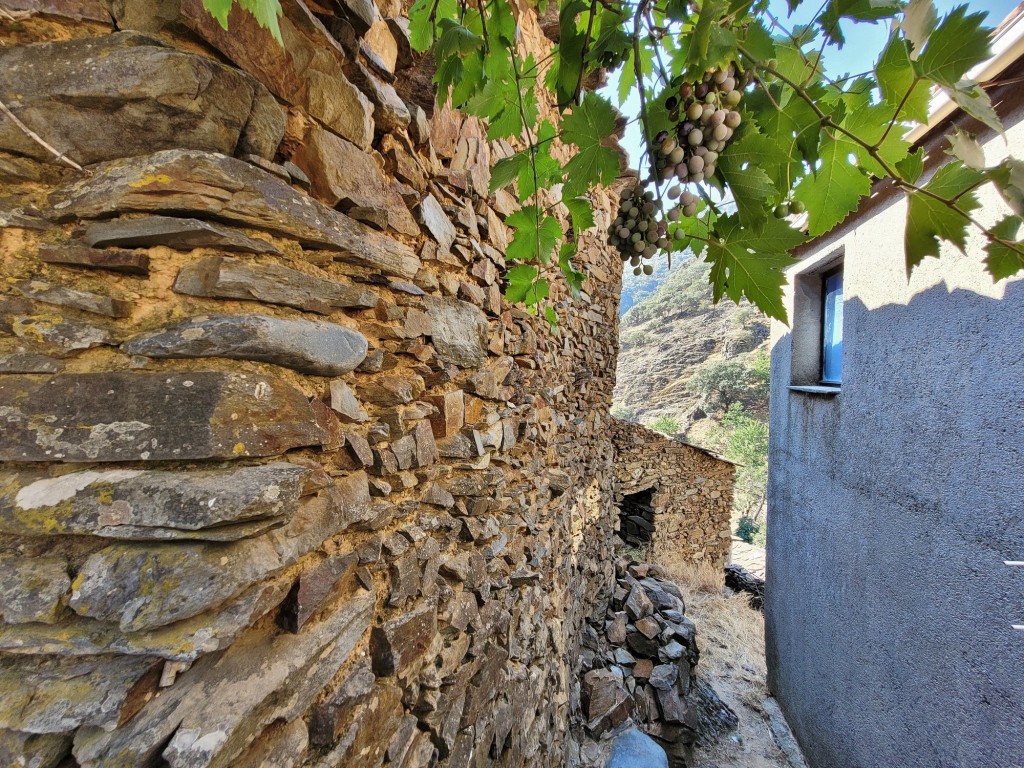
{"x": 232, "y": 191}
{"x": 112, "y": 259}
{"x": 143, "y": 504}
{"x": 174, "y": 232}
{"x": 459, "y": 332}
{"x": 314, "y": 347}
{"x": 72, "y": 298}
{"x": 224, "y": 277}
{"x": 132, "y": 416}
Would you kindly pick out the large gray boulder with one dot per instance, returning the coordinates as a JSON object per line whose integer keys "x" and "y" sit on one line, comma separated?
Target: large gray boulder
{"x": 634, "y": 749}
{"x": 127, "y": 94}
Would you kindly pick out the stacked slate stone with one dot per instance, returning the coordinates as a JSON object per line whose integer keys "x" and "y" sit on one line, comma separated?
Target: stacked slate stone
{"x": 283, "y": 479}
{"x": 640, "y": 662}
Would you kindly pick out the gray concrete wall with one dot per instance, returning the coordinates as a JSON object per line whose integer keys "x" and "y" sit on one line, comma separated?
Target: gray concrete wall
{"x": 892, "y": 506}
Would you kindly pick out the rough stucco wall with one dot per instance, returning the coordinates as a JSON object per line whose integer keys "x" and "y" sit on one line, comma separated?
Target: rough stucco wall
{"x": 892, "y": 507}
{"x": 288, "y": 484}
{"x": 692, "y": 493}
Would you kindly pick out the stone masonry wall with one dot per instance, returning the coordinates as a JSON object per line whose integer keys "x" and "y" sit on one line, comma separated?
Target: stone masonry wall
{"x": 284, "y": 481}
{"x": 691, "y": 493}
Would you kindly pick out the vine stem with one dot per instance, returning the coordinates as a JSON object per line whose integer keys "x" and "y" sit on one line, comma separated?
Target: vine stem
{"x": 872, "y": 150}
{"x": 638, "y": 71}
{"x": 60, "y": 157}
{"x": 583, "y": 53}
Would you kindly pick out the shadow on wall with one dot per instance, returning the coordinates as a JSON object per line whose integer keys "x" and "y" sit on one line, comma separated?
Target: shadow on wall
{"x": 892, "y": 508}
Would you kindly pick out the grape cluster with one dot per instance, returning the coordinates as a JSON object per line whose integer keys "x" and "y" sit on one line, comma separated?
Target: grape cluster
{"x": 635, "y": 231}
{"x": 707, "y": 117}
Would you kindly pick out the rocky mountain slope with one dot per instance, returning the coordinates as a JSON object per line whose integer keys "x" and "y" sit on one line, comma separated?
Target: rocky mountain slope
{"x": 668, "y": 327}
{"x": 699, "y": 371}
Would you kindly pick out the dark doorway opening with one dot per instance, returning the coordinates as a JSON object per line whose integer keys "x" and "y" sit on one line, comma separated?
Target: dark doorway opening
{"x": 636, "y": 519}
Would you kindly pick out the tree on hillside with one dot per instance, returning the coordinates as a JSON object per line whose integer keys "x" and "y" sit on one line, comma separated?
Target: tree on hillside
{"x": 735, "y": 105}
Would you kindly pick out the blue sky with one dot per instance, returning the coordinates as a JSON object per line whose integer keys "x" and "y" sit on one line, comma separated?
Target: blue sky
{"x": 864, "y": 41}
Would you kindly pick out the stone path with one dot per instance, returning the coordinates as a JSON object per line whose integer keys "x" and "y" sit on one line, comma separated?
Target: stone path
{"x": 747, "y": 555}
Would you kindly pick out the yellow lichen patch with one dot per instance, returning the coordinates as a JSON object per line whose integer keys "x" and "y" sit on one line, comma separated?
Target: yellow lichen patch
{"x": 239, "y": 449}
{"x": 35, "y": 327}
{"x": 151, "y": 178}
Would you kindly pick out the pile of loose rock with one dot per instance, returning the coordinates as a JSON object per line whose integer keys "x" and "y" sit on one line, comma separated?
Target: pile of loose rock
{"x": 638, "y": 663}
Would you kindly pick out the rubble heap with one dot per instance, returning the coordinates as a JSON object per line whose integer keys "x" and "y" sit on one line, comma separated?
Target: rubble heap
{"x": 639, "y": 663}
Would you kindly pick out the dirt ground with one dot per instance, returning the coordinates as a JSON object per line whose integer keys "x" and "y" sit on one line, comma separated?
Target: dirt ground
{"x": 730, "y": 636}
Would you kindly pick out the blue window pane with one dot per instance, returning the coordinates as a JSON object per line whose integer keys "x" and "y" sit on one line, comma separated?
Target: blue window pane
{"x": 832, "y": 335}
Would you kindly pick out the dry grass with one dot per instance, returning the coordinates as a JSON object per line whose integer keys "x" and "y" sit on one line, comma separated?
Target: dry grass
{"x": 730, "y": 635}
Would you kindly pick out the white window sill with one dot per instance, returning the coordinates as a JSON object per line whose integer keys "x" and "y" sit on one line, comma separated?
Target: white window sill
{"x": 819, "y": 389}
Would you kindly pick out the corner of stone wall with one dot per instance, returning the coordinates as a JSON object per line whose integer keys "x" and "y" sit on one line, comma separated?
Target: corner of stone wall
{"x": 285, "y": 482}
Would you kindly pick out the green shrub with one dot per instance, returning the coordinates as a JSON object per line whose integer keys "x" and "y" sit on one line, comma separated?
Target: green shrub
{"x": 720, "y": 383}
{"x": 622, "y": 412}
{"x": 667, "y": 425}
{"x": 747, "y": 528}
{"x": 744, "y": 439}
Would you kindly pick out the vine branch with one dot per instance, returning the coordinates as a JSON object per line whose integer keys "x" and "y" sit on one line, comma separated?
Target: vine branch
{"x": 60, "y": 157}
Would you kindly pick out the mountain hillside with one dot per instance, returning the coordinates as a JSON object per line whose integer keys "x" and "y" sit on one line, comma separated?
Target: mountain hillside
{"x": 695, "y": 370}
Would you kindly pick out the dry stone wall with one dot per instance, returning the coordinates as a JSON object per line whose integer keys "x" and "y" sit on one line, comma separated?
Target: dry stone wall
{"x": 284, "y": 481}
{"x": 690, "y": 495}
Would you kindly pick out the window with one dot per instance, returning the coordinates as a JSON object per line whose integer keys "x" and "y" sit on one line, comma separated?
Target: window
{"x": 817, "y": 326}
{"x": 832, "y": 328}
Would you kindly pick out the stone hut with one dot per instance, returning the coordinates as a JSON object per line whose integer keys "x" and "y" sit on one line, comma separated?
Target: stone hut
{"x": 283, "y": 479}
{"x": 674, "y": 499}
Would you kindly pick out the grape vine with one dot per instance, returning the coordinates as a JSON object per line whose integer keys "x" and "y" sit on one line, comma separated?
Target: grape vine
{"x": 743, "y": 127}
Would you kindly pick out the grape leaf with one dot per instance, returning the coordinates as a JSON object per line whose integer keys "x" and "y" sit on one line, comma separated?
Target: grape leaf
{"x": 1003, "y": 261}
{"x": 957, "y": 44}
{"x": 721, "y": 46}
{"x": 535, "y": 237}
{"x": 505, "y": 171}
{"x": 750, "y": 186}
{"x": 582, "y": 212}
{"x": 749, "y": 263}
{"x": 590, "y": 121}
{"x": 219, "y": 9}
{"x": 519, "y": 280}
{"x": 758, "y": 41}
{"x": 266, "y": 13}
{"x": 551, "y": 316}
{"x": 912, "y": 166}
{"x": 900, "y": 84}
{"x": 573, "y": 277}
{"x": 875, "y": 125}
{"x": 627, "y": 79}
{"x": 834, "y": 190}
{"x": 964, "y": 147}
{"x": 930, "y": 220}
{"x": 794, "y": 130}
{"x": 456, "y": 40}
{"x": 919, "y": 20}
{"x": 711, "y": 12}
{"x": 973, "y": 100}
{"x": 858, "y": 10}
{"x": 470, "y": 79}
{"x": 571, "y": 45}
